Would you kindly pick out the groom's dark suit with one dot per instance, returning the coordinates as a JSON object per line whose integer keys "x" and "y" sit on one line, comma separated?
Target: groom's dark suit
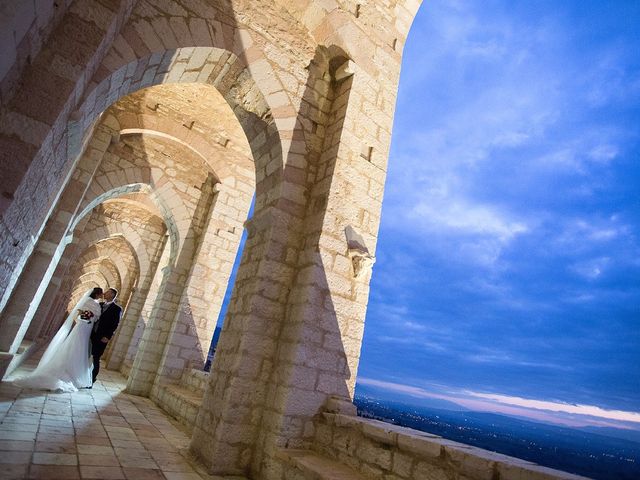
{"x": 104, "y": 327}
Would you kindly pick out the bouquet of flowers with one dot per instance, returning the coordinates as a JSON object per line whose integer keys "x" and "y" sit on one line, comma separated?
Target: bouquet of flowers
{"x": 86, "y": 314}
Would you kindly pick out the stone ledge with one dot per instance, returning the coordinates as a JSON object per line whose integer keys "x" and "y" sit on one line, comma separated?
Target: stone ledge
{"x": 472, "y": 462}
{"x": 185, "y": 394}
{"x": 180, "y": 403}
{"x": 316, "y": 467}
{"x": 194, "y": 380}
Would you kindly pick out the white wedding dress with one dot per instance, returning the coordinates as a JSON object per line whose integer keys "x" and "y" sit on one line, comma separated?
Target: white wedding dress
{"x": 66, "y": 365}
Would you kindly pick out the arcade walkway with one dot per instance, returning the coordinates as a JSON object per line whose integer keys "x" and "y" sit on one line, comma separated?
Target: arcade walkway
{"x": 101, "y": 433}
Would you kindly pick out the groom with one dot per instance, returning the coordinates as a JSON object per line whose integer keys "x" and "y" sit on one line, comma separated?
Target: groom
{"x": 105, "y": 326}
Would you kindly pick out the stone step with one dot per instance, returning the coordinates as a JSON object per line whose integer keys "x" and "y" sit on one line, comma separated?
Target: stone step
{"x": 181, "y": 403}
{"x": 314, "y": 466}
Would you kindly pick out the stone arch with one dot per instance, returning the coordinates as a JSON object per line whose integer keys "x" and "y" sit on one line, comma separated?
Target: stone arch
{"x": 110, "y": 221}
{"x": 233, "y": 79}
{"x": 97, "y": 247}
{"x": 122, "y": 230}
{"x": 88, "y": 235}
{"x": 167, "y": 214}
{"x": 268, "y": 130}
{"x": 161, "y": 134}
{"x": 99, "y": 267}
{"x": 195, "y": 143}
{"x": 128, "y": 276}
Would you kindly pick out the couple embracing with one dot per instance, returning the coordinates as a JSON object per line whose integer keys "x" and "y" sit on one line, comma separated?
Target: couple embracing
{"x": 72, "y": 359}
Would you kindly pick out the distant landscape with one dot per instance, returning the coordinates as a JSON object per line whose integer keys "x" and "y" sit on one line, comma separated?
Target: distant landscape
{"x": 609, "y": 454}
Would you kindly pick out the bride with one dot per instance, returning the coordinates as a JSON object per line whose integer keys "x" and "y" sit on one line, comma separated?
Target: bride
{"x": 65, "y": 365}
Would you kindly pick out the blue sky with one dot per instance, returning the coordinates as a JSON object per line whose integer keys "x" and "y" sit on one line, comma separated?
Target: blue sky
{"x": 508, "y": 263}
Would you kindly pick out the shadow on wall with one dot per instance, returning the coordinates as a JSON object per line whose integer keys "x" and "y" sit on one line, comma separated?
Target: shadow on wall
{"x": 311, "y": 346}
{"x": 298, "y": 359}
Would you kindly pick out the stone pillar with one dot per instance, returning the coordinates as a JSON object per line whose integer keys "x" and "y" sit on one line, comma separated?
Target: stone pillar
{"x": 203, "y": 295}
{"x": 171, "y": 300}
{"x": 227, "y": 424}
{"x": 56, "y": 315}
{"x": 150, "y": 301}
{"x": 292, "y": 336}
{"x": 53, "y": 290}
{"x": 125, "y": 302}
{"x": 125, "y": 331}
{"x": 319, "y": 347}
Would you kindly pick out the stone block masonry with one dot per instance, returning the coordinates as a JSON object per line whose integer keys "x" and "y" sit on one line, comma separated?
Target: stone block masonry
{"x": 380, "y": 450}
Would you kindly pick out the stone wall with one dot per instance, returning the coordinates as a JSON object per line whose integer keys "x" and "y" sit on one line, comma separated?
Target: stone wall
{"x": 24, "y": 26}
{"x": 380, "y": 450}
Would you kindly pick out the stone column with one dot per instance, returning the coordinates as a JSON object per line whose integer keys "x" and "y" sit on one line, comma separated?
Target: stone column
{"x": 55, "y": 317}
{"x": 171, "y": 301}
{"x": 34, "y": 121}
{"x": 291, "y": 339}
{"x": 152, "y": 297}
{"x": 226, "y": 429}
{"x": 125, "y": 331}
{"x": 52, "y": 291}
{"x": 319, "y": 347}
{"x": 203, "y": 295}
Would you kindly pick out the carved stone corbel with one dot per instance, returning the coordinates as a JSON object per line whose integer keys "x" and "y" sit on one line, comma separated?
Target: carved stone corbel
{"x": 361, "y": 259}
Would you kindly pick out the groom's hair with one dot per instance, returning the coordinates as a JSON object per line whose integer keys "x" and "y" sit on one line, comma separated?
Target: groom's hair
{"x": 95, "y": 292}
{"x": 115, "y": 292}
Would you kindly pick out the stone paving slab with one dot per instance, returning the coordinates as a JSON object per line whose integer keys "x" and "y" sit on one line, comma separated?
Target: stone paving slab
{"x": 101, "y": 433}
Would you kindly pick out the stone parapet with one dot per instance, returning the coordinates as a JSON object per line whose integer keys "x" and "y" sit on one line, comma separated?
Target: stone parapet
{"x": 195, "y": 380}
{"x": 381, "y": 450}
{"x": 182, "y": 401}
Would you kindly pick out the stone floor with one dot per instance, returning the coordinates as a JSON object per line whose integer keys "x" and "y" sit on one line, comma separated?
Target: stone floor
{"x": 101, "y": 433}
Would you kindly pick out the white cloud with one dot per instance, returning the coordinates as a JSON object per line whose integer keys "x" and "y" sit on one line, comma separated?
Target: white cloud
{"x": 589, "y": 410}
{"x": 602, "y": 232}
{"x": 440, "y": 215}
{"x": 591, "y": 269}
{"x": 402, "y": 388}
{"x": 595, "y": 147}
{"x": 413, "y": 340}
{"x": 458, "y": 214}
{"x": 511, "y": 138}
{"x": 603, "y": 153}
{"x": 541, "y": 410}
{"x": 577, "y": 234}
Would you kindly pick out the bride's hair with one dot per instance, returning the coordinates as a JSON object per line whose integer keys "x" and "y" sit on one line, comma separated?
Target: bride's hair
{"x": 96, "y": 292}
